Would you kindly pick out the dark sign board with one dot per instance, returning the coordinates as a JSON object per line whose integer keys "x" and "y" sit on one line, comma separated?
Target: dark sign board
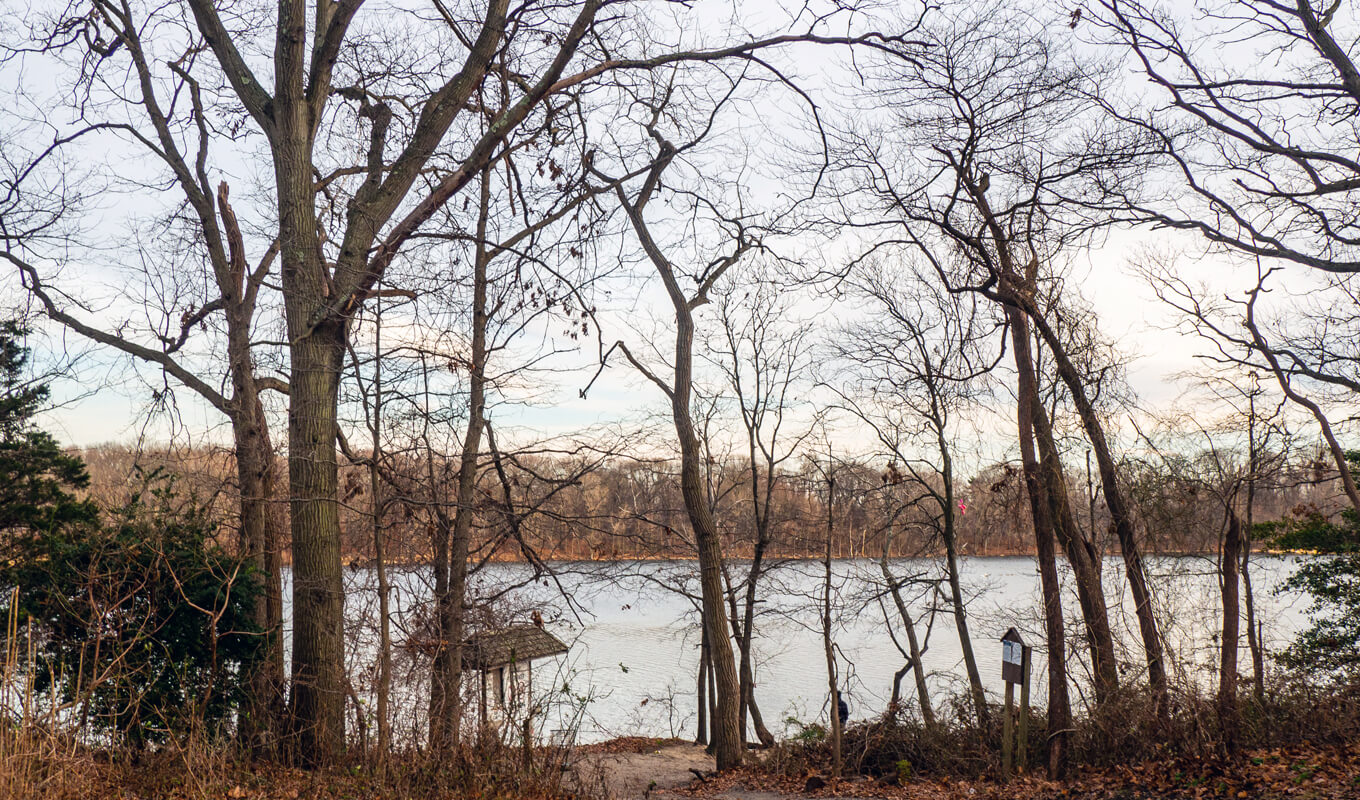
{"x": 1012, "y": 657}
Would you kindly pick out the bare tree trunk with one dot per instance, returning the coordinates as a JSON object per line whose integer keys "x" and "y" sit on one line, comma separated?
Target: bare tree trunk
{"x": 1253, "y": 635}
{"x": 725, "y": 727}
{"x": 256, "y": 479}
{"x": 319, "y": 681}
{"x": 454, "y": 604}
{"x": 725, "y": 731}
{"x": 260, "y": 540}
{"x": 1059, "y": 709}
{"x": 1229, "y": 564}
{"x": 712, "y": 695}
{"x": 1080, "y": 554}
{"x": 747, "y": 676}
{"x": 833, "y": 681}
{"x": 1120, "y": 513}
{"x": 951, "y": 552}
{"x": 1258, "y": 685}
{"x": 440, "y": 699}
{"x": 913, "y": 646}
{"x": 701, "y": 736}
{"x": 384, "y": 688}
{"x": 742, "y": 631}
{"x": 316, "y": 350}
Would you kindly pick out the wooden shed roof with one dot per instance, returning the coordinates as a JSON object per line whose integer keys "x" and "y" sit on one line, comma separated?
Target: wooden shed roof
{"x": 518, "y": 644}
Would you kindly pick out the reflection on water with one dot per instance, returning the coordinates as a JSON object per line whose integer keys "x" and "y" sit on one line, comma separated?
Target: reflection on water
{"x": 635, "y": 652}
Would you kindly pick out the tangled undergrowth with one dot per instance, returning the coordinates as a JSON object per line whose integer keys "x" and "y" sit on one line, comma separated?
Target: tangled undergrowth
{"x": 40, "y": 766}
{"x": 1126, "y": 730}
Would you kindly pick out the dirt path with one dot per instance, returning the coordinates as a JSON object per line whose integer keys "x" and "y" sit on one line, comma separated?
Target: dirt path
{"x": 627, "y": 776}
{"x": 655, "y": 771}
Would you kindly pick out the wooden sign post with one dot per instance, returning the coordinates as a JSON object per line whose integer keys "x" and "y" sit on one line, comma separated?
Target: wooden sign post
{"x": 1015, "y": 658}
{"x": 1022, "y": 751}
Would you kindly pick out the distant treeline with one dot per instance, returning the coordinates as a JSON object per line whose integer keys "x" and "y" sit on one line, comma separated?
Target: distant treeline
{"x": 564, "y": 508}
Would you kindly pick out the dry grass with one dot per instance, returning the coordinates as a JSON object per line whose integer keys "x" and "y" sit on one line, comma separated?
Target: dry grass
{"x": 1126, "y": 730}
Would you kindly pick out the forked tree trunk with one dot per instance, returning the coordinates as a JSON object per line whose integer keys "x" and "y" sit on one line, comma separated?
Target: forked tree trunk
{"x": 264, "y": 715}
{"x": 1085, "y": 567}
{"x": 725, "y": 722}
{"x": 317, "y": 344}
{"x": 1120, "y": 512}
{"x": 909, "y": 626}
{"x": 742, "y": 630}
{"x": 1059, "y": 708}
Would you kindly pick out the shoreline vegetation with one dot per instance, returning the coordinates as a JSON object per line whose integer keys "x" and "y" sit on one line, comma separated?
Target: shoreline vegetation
{"x": 624, "y": 510}
{"x": 805, "y": 558}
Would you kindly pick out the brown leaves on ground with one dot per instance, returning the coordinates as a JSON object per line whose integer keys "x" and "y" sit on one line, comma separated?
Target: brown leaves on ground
{"x": 1288, "y": 773}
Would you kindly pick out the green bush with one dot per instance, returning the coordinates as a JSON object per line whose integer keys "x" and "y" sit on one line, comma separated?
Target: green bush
{"x": 145, "y": 621}
{"x": 1331, "y": 645}
{"x": 140, "y": 621}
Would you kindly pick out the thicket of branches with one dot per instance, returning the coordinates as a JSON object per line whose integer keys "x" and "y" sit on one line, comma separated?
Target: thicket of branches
{"x": 777, "y": 316}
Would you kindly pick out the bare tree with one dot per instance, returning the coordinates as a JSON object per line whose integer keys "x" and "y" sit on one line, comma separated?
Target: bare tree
{"x": 679, "y": 390}
{"x": 1254, "y": 110}
{"x": 202, "y": 334}
{"x": 921, "y": 364}
{"x": 1310, "y": 364}
{"x": 1012, "y": 184}
{"x": 765, "y": 363}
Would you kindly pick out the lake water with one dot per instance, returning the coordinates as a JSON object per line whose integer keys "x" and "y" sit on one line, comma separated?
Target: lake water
{"x": 633, "y": 634}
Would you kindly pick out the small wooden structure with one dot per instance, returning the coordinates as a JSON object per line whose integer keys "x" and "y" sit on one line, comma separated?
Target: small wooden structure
{"x": 498, "y": 654}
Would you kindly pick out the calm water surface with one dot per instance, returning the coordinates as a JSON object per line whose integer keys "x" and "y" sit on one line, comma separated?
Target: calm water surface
{"x": 632, "y": 629}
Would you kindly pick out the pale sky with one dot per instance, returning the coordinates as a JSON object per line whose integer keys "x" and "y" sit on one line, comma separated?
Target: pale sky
{"x": 104, "y": 404}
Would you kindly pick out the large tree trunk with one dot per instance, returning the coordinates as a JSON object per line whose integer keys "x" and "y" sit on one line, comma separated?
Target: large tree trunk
{"x": 726, "y": 724}
{"x": 1059, "y": 708}
{"x": 319, "y": 680}
{"x": 1081, "y": 556}
{"x": 1120, "y": 512}
{"x": 316, "y": 351}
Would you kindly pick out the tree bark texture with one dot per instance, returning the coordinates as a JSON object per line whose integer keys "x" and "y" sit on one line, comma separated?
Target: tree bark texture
{"x": 1059, "y": 708}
